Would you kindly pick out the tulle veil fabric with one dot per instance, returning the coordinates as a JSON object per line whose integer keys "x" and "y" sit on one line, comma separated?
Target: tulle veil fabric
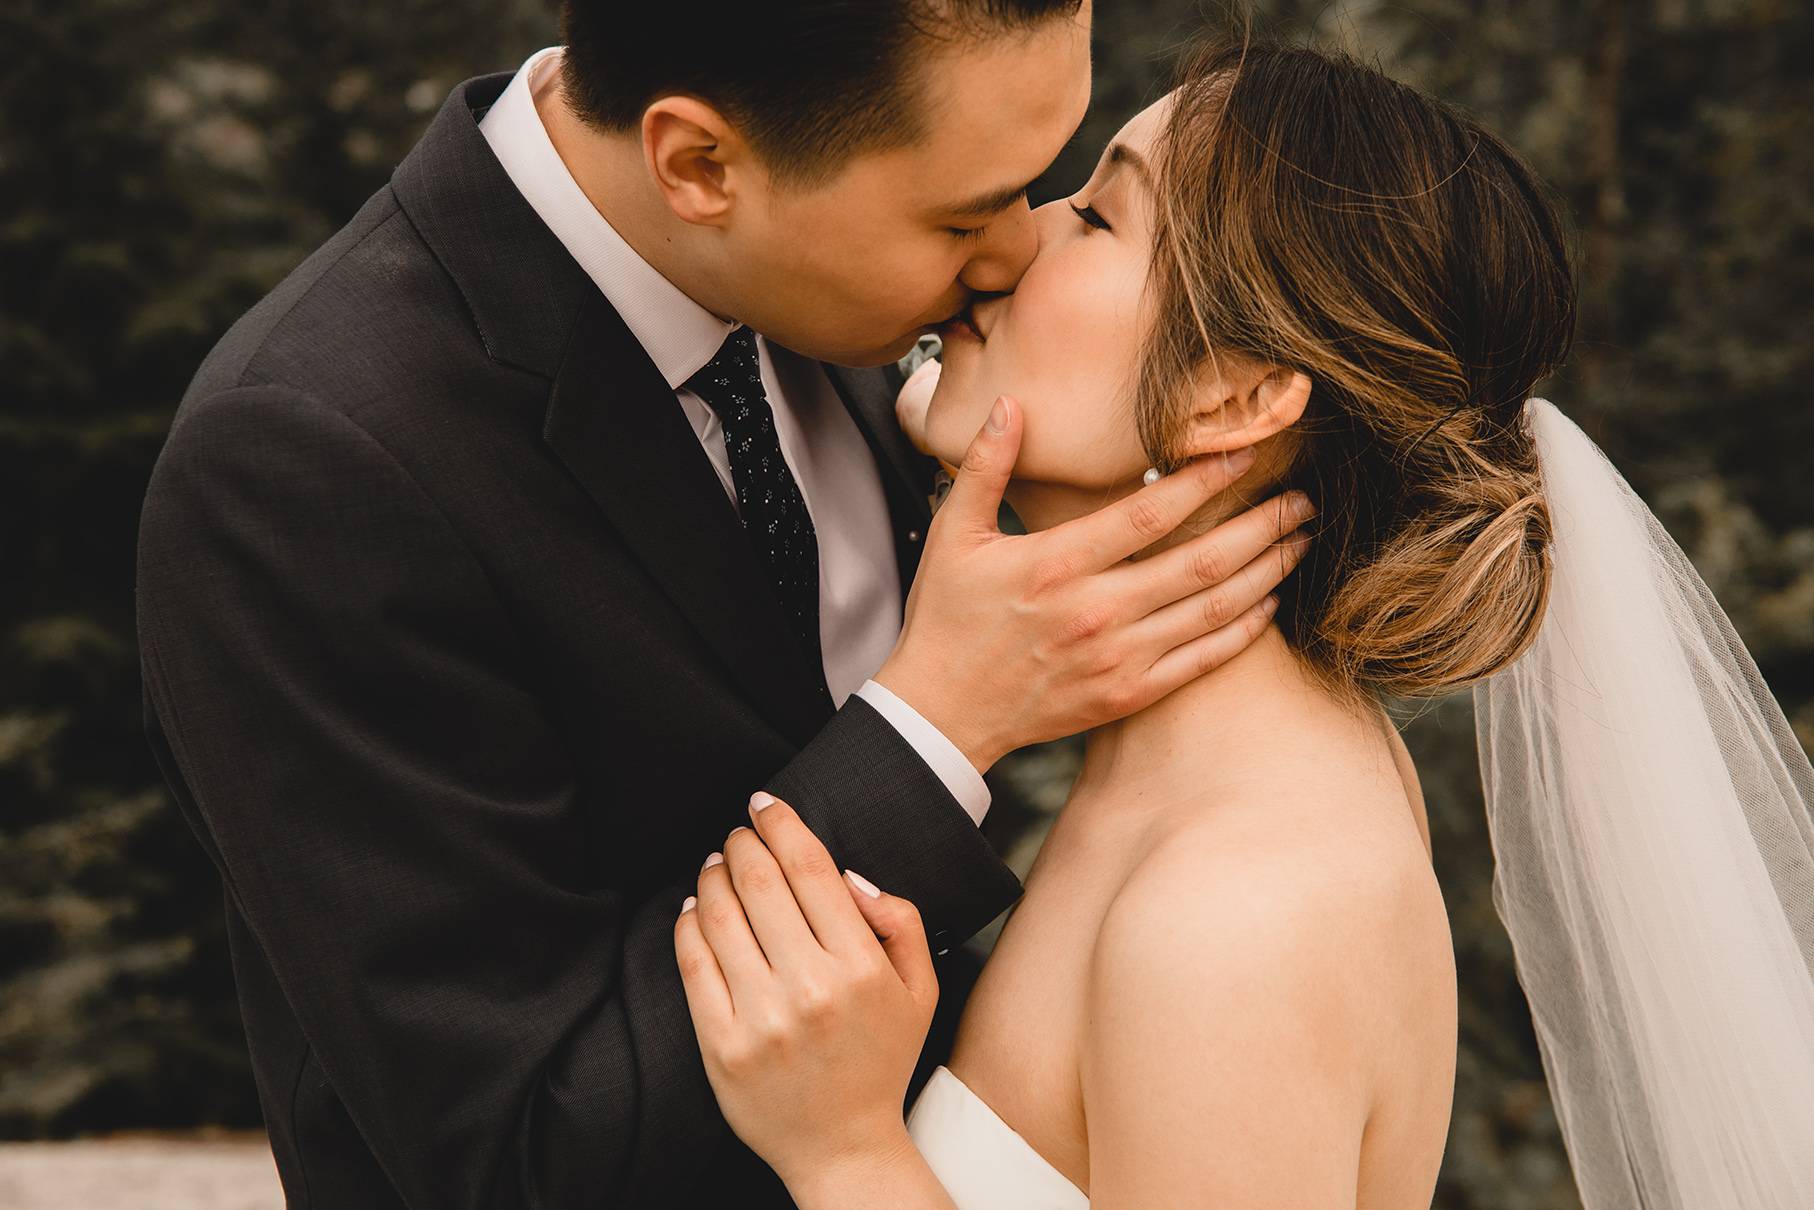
{"x": 1654, "y": 849}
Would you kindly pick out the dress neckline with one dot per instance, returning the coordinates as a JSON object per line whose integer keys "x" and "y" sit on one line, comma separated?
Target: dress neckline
{"x": 983, "y": 1162}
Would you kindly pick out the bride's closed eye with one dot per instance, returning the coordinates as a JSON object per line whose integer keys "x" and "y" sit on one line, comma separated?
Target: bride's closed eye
{"x": 1090, "y": 217}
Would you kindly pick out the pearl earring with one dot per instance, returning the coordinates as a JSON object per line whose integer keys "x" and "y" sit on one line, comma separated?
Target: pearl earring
{"x": 1152, "y": 475}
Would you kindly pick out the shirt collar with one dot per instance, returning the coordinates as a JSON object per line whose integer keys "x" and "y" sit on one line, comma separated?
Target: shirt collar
{"x": 679, "y": 335}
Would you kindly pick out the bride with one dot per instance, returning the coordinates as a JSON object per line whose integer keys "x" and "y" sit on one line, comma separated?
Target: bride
{"x": 1230, "y": 981}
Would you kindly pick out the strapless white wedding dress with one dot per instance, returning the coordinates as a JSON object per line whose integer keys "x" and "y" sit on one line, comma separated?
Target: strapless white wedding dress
{"x": 979, "y": 1159}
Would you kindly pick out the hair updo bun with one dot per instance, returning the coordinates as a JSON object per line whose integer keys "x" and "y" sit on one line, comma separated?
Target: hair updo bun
{"x": 1316, "y": 215}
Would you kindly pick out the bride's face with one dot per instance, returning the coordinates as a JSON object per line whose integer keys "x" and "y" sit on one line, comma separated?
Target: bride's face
{"x": 1066, "y": 344}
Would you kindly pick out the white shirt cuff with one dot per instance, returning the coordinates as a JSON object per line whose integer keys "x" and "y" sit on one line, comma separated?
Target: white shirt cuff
{"x": 941, "y": 755}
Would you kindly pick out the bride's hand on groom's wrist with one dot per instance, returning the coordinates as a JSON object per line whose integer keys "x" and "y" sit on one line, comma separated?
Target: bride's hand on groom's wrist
{"x": 1011, "y": 640}
{"x": 810, "y": 995}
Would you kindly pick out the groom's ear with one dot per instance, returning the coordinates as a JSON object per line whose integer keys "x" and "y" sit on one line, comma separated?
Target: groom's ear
{"x": 697, "y": 159}
{"x": 1241, "y": 401}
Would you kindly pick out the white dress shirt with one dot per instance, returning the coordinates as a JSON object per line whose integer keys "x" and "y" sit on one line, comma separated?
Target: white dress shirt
{"x": 859, "y": 580}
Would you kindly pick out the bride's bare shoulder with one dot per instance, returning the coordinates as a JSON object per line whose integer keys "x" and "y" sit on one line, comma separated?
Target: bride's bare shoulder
{"x": 1295, "y": 867}
{"x": 1327, "y": 915}
{"x": 1289, "y": 990}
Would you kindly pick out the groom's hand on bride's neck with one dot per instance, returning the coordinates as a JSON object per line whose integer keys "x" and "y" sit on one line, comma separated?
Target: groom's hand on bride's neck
{"x": 1013, "y": 640}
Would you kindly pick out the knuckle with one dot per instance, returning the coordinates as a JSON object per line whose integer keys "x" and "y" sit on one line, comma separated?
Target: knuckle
{"x": 1148, "y": 520}
{"x": 816, "y": 999}
{"x": 1109, "y": 664}
{"x": 1209, "y": 564}
{"x": 1218, "y": 608}
{"x": 718, "y": 914}
{"x": 772, "y": 1030}
{"x": 1208, "y": 662}
{"x": 1051, "y": 574}
{"x": 1086, "y": 624}
{"x": 735, "y": 1055}
{"x": 815, "y": 863}
{"x": 693, "y": 965}
{"x": 757, "y": 879}
{"x": 749, "y": 1056}
{"x": 1124, "y": 697}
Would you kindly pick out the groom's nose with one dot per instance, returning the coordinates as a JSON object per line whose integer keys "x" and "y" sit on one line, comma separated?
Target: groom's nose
{"x": 1003, "y": 253}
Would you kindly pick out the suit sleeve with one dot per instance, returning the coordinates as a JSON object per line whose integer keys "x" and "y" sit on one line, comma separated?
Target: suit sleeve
{"x": 346, "y": 713}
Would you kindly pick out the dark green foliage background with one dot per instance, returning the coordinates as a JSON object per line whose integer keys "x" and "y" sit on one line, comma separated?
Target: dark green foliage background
{"x": 163, "y": 163}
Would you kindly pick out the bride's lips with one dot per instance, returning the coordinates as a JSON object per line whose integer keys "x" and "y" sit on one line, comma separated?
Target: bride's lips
{"x": 961, "y": 326}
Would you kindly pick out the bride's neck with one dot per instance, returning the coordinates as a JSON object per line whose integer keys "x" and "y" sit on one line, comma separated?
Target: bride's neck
{"x": 1246, "y": 715}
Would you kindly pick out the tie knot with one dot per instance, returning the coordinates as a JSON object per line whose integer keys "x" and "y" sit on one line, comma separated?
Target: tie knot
{"x": 732, "y": 380}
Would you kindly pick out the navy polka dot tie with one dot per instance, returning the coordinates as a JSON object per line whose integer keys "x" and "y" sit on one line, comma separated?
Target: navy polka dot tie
{"x": 774, "y": 512}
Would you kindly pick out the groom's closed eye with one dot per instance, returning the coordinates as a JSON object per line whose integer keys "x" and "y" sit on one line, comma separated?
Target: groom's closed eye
{"x": 988, "y": 205}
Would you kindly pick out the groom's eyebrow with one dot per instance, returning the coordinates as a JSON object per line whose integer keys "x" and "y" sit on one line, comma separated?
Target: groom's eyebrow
{"x": 986, "y": 204}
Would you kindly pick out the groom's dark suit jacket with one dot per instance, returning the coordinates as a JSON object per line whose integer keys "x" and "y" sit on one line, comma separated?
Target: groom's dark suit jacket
{"x": 459, "y": 663}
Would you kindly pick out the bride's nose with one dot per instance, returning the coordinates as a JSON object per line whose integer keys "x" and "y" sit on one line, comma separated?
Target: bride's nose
{"x": 1049, "y": 220}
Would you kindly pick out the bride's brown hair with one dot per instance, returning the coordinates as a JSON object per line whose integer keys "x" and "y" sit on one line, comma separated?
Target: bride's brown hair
{"x": 1317, "y": 215}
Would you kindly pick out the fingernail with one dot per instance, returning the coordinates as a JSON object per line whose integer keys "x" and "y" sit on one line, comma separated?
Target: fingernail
{"x": 998, "y": 416}
{"x": 761, "y": 799}
{"x": 1269, "y": 606}
{"x": 1237, "y": 461}
{"x": 734, "y": 831}
{"x": 714, "y": 859}
{"x": 863, "y": 884}
{"x": 688, "y": 905}
{"x": 1301, "y": 508}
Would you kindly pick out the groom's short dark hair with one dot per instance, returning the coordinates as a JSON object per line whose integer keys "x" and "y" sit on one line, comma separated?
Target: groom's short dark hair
{"x": 810, "y": 83}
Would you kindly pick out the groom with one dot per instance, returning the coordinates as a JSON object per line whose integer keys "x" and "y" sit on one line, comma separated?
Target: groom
{"x": 531, "y": 524}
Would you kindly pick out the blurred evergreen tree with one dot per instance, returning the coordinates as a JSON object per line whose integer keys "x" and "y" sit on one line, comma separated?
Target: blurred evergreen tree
{"x": 163, "y": 164}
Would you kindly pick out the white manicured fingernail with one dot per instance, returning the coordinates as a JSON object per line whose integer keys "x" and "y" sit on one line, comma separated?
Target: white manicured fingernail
{"x": 714, "y": 859}
{"x": 761, "y": 799}
{"x": 863, "y": 884}
{"x": 688, "y": 905}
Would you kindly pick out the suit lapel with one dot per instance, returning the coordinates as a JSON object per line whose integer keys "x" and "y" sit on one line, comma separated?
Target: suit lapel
{"x": 614, "y": 424}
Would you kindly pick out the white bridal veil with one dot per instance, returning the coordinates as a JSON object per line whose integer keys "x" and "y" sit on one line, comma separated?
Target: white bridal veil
{"x": 1649, "y": 809}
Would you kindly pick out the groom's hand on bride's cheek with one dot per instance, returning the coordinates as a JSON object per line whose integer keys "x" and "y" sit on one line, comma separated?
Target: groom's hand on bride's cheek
{"x": 811, "y": 993}
{"x": 1012, "y": 640}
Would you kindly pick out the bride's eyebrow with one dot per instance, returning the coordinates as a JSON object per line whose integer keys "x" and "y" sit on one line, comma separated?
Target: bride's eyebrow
{"x": 1121, "y": 153}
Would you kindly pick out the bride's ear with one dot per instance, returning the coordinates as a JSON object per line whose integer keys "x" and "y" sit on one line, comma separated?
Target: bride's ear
{"x": 1240, "y": 402}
